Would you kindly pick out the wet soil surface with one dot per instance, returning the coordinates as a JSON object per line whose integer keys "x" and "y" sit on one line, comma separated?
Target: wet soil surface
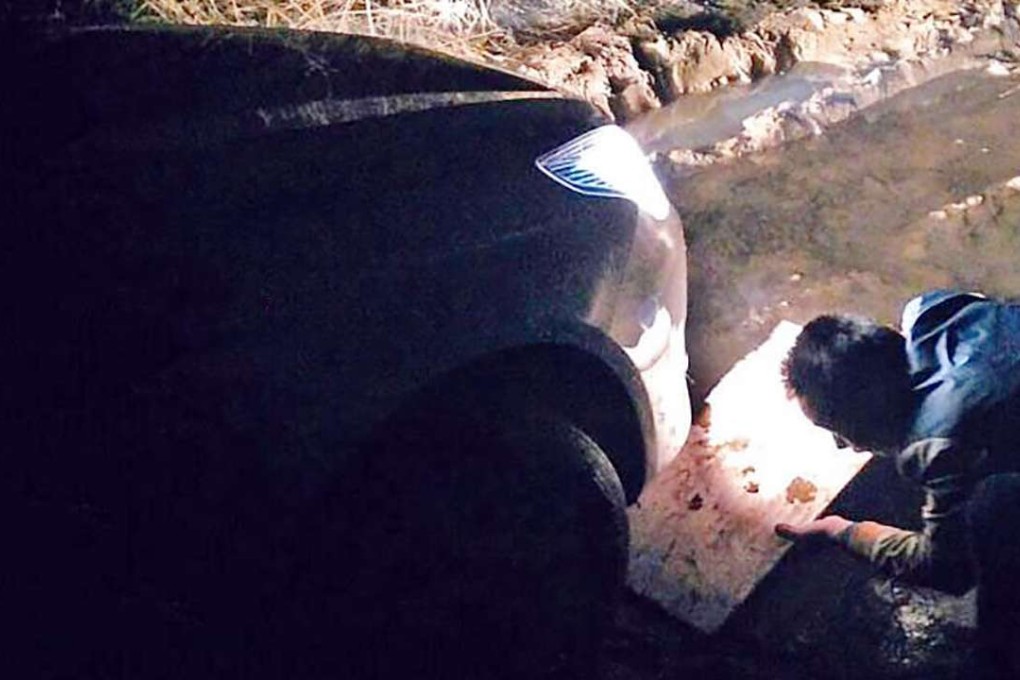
{"x": 819, "y": 614}
{"x": 914, "y": 193}
{"x": 910, "y": 194}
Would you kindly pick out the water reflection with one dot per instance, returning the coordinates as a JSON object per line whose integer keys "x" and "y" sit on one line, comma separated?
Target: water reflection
{"x": 701, "y": 120}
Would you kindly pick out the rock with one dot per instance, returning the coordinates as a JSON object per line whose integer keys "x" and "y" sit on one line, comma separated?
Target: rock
{"x": 633, "y": 100}
{"x": 763, "y": 58}
{"x": 804, "y": 45}
{"x": 697, "y": 61}
{"x": 834, "y": 17}
{"x": 630, "y": 87}
{"x": 856, "y": 14}
{"x": 812, "y": 18}
{"x": 655, "y": 52}
{"x": 598, "y": 65}
{"x": 566, "y": 68}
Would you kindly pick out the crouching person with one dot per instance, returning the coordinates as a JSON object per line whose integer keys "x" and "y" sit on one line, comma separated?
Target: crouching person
{"x": 942, "y": 398}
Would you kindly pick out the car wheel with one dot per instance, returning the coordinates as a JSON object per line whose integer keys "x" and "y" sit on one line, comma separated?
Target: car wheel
{"x": 483, "y": 546}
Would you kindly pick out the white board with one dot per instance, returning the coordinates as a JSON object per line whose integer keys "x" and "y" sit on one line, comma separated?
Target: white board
{"x": 702, "y": 531}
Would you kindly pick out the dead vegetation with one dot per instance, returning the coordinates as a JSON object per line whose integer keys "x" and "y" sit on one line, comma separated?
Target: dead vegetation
{"x": 401, "y": 19}
{"x": 478, "y": 25}
{"x": 474, "y": 20}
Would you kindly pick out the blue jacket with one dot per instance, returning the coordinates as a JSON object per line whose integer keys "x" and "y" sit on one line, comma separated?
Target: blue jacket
{"x": 964, "y": 356}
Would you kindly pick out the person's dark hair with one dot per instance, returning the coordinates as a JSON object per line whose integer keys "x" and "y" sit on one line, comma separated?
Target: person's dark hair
{"x": 853, "y": 375}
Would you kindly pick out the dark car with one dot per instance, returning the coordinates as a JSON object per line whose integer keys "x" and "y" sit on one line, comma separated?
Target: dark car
{"x": 321, "y": 364}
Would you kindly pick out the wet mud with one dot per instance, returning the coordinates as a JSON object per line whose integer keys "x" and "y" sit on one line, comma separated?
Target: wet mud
{"x": 917, "y": 192}
{"x": 914, "y": 193}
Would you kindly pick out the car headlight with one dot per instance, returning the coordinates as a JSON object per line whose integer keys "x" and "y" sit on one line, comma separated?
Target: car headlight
{"x": 607, "y": 162}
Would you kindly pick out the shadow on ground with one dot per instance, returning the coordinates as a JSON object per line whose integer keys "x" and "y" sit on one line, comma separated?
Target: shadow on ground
{"x": 818, "y": 614}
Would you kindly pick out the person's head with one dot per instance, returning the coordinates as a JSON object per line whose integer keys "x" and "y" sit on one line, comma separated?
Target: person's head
{"x": 851, "y": 376}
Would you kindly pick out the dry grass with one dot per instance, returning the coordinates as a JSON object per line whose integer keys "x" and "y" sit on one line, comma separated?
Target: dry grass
{"x": 403, "y": 19}
{"x": 443, "y": 24}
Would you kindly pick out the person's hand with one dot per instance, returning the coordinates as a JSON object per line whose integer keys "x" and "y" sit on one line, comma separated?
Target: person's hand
{"x": 827, "y": 528}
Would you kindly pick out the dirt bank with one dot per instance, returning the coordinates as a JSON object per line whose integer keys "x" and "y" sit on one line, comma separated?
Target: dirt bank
{"x": 640, "y": 65}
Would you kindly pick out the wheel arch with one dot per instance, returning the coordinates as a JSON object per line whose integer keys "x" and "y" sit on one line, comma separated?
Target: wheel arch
{"x": 596, "y": 388}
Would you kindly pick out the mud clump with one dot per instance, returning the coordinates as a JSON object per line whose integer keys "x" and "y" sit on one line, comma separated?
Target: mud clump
{"x": 801, "y": 490}
{"x": 635, "y": 66}
{"x": 599, "y": 65}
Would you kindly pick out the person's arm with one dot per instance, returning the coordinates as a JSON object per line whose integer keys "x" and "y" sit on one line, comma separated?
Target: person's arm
{"x": 938, "y": 554}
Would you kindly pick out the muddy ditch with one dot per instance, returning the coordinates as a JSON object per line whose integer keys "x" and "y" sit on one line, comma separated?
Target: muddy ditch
{"x": 899, "y": 171}
{"x": 683, "y": 49}
{"x": 916, "y": 188}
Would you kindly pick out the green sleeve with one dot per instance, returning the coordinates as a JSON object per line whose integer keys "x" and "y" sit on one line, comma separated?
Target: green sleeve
{"x": 938, "y": 555}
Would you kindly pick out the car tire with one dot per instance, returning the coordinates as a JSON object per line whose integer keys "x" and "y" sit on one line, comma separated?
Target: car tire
{"x": 482, "y": 545}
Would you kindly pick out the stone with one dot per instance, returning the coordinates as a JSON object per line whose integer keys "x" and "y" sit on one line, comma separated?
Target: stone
{"x": 598, "y": 65}
{"x": 633, "y": 100}
{"x": 654, "y": 52}
{"x": 812, "y": 18}
{"x": 630, "y": 88}
{"x": 856, "y": 14}
{"x": 834, "y": 17}
{"x": 698, "y": 61}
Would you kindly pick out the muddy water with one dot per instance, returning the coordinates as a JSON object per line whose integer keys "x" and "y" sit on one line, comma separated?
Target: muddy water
{"x": 906, "y": 195}
{"x": 701, "y": 120}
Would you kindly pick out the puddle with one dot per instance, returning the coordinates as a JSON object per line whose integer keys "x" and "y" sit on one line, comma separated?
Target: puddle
{"x": 701, "y": 120}
{"x": 909, "y": 194}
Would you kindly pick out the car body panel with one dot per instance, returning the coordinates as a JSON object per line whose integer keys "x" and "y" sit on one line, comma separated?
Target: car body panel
{"x": 300, "y": 269}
